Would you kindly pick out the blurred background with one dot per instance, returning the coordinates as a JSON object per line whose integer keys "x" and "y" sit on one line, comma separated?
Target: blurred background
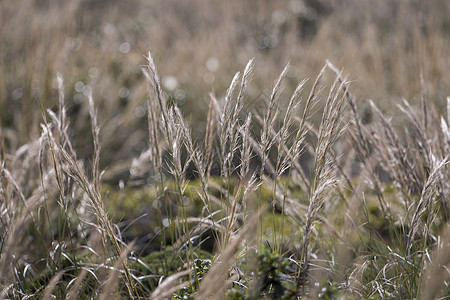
{"x": 391, "y": 49}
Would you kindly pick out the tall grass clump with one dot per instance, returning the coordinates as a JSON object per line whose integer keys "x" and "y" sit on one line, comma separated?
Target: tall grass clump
{"x": 294, "y": 196}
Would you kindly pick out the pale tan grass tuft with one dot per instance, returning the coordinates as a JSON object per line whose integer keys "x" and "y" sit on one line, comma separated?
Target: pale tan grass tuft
{"x": 395, "y": 155}
{"x": 426, "y": 202}
{"x": 256, "y": 147}
{"x": 227, "y": 126}
{"x": 270, "y": 117}
{"x": 17, "y": 225}
{"x": 95, "y": 137}
{"x": 154, "y": 127}
{"x": 362, "y": 143}
{"x": 418, "y": 132}
{"x": 246, "y": 148}
{"x": 284, "y": 159}
{"x": 157, "y": 88}
{"x": 324, "y": 176}
{"x": 244, "y": 83}
{"x": 209, "y": 138}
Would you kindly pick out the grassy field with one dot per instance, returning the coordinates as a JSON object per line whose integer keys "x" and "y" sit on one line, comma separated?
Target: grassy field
{"x": 224, "y": 149}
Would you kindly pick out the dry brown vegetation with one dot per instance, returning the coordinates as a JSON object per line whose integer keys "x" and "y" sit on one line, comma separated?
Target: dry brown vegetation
{"x": 290, "y": 179}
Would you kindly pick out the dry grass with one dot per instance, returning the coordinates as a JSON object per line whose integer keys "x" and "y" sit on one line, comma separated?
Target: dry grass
{"x": 358, "y": 193}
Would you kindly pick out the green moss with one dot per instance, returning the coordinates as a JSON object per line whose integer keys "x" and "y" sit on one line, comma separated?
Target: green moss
{"x": 389, "y": 189}
{"x": 376, "y": 219}
{"x": 150, "y": 211}
{"x": 281, "y": 224}
{"x": 299, "y": 196}
{"x": 164, "y": 263}
{"x": 68, "y": 265}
